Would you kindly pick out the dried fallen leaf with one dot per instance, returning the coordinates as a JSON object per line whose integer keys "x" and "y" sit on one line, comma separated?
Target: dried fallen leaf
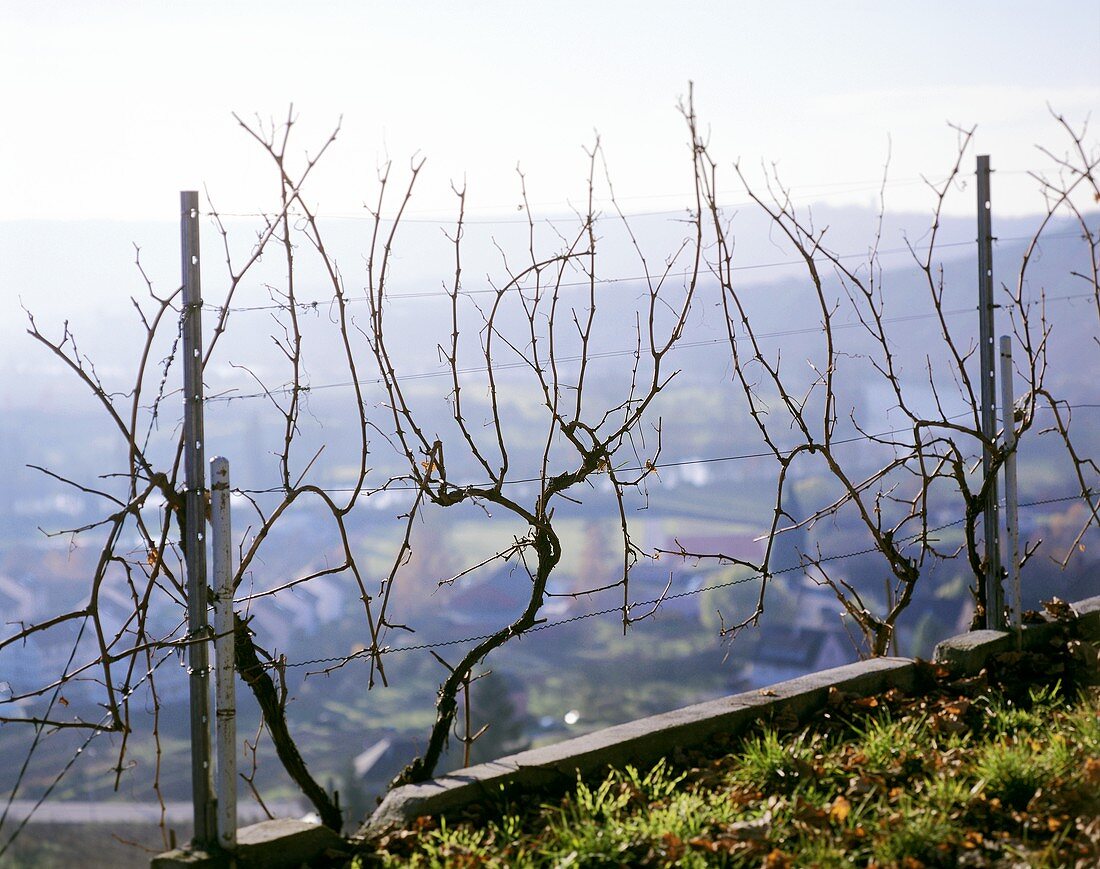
{"x": 1058, "y": 608}
{"x": 674, "y": 847}
{"x": 840, "y": 810}
{"x": 776, "y": 859}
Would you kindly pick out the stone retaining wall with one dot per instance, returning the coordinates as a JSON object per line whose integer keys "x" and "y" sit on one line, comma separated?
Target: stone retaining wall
{"x": 647, "y": 740}
{"x": 286, "y": 843}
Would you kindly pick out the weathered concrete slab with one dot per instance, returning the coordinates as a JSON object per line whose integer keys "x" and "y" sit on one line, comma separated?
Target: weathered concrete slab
{"x": 283, "y": 842}
{"x": 649, "y": 739}
{"x": 185, "y": 858}
{"x": 640, "y": 742}
{"x": 1088, "y": 618}
{"x": 970, "y": 652}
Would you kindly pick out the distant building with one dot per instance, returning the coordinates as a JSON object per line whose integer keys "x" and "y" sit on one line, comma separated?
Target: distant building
{"x": 788, "y": 652}
{"x": 373, "y": 770}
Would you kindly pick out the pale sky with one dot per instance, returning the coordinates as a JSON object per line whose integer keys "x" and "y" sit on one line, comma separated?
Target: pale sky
{"x": 111, "y": 108}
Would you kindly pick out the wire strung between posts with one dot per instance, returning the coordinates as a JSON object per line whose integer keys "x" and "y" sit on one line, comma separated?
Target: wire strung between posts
{"x": 316, "y": 304}
{"x": 370, "y": 653}
{"x": 629, "y": 469}
{"x": 39, "y": 730}
{"x": 606, "y": 354}
{"x": 72, "y": 760}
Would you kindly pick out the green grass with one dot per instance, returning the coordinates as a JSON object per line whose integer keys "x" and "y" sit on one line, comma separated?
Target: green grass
{"x": 944, "y": 778}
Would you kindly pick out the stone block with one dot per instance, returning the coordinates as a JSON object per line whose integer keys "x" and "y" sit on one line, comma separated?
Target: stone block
{"x": 640, "y": 742}
{"x": 278, "y": 844}
{"x": 1088, "y": 618}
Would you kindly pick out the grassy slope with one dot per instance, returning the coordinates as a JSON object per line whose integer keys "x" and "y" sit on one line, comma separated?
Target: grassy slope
{"x": 967, "y": 772}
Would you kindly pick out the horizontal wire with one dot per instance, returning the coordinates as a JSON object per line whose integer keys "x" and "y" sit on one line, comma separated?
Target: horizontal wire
{"x": 606, "y": 354}
{"x": 626, "y": 469}
{"x": 96, "y": 731}
{"x": 368, "y": 653}
{"x": 446, "y": 294}
{"x": 679, "y": 463}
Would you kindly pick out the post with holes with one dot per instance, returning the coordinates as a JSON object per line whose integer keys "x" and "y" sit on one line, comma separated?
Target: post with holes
{"x": 992, "y": 598}
{"x": 194, "y": 525}
{"x": 1012, "y": 513}
{"x": 221, "y": 543}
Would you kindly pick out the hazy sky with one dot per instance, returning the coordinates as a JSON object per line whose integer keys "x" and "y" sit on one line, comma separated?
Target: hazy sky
{"x": 111, "y": 108}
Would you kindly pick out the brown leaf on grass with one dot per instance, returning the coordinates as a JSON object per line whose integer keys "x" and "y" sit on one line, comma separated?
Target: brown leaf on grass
{"x": 739, "y": 797}
{"x": 934, "y": 671}
{"x": 1091, "y": 773}
{"x": 776, "y": 859}
{"x": 1058, "y": 609}
{"x": 894, "y": 695}
{"x": 840, "y": 809}
{"x": 674, "y": 846}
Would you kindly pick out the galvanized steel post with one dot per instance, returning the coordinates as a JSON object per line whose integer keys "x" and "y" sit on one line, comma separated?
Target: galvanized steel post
{"x": 194, "y": 525}
{"x": 1012, "y": 514}
{"x": 994, "y": 595}
{"x": 221, "y": 543}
